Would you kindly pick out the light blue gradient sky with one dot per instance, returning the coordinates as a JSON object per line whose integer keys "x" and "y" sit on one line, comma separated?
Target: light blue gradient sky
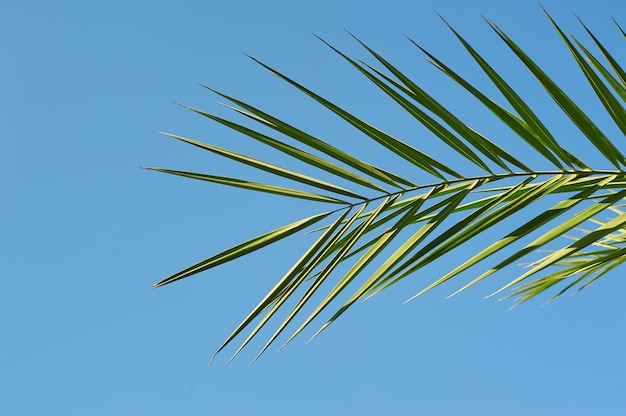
{"x": 84, "y": 231}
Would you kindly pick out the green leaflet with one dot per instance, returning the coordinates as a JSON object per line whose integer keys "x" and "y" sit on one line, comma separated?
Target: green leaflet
{"x": 614, "y": 64}
{"x": 531, "y": 129}
{"x": 470, "y": 226}
{"x": 276, "y": 295}
{"x": 314, "y": 263}
{"x": 613, "y": 225}
{"x": 520, "y": 232}
{"x": 276, "y": 170}
{"x": 580, "y": 119}
{"x": 378, "y": 245}
{"x": 400, "y": 148}
{"x": 385, "y": 272}
{"x": 480, "y": 142}
{"x": 617, "y": 85}
{"x": 244, "y": 248}
{"x": 558, "y": 231}
{"x": 317, "y": 144}
{"x": 612, "y": 105}
{"x": 323, "y": 275}
{"x": 439, "y": 130}
{"x": 291, "y": 151}
{"x": 253, "y": 186}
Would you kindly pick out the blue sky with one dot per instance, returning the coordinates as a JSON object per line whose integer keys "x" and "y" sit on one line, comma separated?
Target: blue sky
{"x": 84, "y": 232}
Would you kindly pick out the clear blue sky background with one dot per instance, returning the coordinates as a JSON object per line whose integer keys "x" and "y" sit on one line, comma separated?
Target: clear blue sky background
{"x": 84, "y": 232}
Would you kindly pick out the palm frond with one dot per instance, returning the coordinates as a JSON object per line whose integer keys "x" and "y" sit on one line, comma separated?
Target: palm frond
{"x": 386, "y": 227}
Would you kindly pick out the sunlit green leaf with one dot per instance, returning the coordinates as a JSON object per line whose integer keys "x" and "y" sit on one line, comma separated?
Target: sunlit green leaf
{"x": 253, "y": 186}
{"x": 244, "y": 248}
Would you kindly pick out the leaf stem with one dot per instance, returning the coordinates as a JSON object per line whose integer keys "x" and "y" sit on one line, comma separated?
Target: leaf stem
{"x": 486, "y": 178}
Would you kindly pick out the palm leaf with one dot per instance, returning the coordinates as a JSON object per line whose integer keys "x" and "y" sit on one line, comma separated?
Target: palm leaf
{"x": 392, "y": 227}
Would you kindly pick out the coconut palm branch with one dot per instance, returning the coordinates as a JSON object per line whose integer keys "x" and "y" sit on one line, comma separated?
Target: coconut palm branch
{"x": 381, "y": 227}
